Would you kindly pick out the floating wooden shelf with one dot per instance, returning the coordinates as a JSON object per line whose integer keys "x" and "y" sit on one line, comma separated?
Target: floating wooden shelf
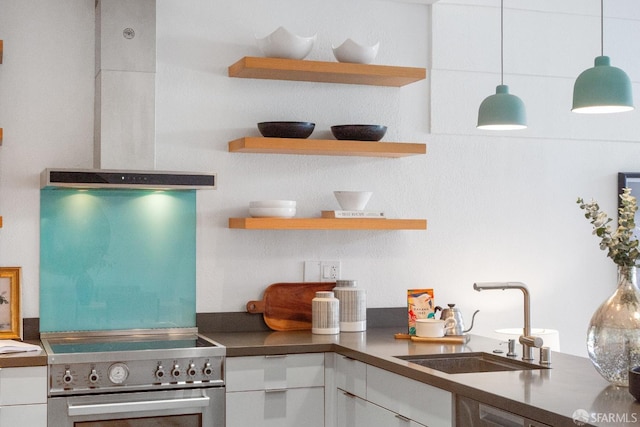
{"x": 326, "y": 72}
{"x": 327, "y": 147}
{"x": 327, "y": 224}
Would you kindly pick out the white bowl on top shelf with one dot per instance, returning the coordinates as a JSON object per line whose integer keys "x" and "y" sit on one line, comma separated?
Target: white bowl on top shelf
{"x": 353, "y": 200}
{"x": 353, "y": 52}
{"x": 284, "y": 44}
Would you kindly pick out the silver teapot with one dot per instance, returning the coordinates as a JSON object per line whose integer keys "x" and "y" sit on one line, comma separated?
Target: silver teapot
{"x": 455, "y": 313}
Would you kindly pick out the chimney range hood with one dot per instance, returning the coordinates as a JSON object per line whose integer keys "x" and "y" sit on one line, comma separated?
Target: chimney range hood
{"x": 124, "y": 114}
{"x": 102, "y": 178}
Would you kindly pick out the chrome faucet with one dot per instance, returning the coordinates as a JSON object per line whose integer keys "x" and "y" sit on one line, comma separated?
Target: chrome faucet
{"x": 526, "y": 339}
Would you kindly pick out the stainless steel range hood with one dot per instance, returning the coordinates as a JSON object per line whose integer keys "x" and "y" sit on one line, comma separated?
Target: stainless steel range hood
{"x": 124, "y": 111}
{"x": 104, "y": 178}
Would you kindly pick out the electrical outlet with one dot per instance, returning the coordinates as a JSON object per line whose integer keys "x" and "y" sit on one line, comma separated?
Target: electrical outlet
{"x": 321, "y": 271}
{"x": 329, "y": 271}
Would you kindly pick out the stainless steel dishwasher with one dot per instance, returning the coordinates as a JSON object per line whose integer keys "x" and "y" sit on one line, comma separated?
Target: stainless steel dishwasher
{"x": 471, "y": 413}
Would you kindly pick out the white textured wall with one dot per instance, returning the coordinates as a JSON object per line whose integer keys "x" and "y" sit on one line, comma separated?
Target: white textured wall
{"x": 501, "y": 206}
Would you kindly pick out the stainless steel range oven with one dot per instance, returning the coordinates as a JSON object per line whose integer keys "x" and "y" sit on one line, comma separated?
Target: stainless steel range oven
{"x": 135, "y": 378}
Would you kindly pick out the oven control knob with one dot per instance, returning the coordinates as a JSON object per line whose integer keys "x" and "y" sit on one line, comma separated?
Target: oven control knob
{"x": 93, "y": 377}
{"x": 160, "y": 372}
{"x": 118, "y": 373}
{"x": 175, "y": 372}
{"x": 67, "y": 378}
{"x": 192, "y": 370}
{"x": 208, "y": 370}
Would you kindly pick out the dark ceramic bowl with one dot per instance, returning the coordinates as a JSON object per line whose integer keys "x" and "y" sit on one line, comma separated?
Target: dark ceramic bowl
{"x": 359, "y": 132}
{"x": 634, "y": 382}
{"x": 286, "y": 129}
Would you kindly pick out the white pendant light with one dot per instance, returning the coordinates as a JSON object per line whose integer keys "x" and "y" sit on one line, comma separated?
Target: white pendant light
{"x": 502, "y": 111}
{"x": 603, "y": 88}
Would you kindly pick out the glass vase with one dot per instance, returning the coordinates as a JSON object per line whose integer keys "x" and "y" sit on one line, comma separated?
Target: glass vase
{"x": 613, "y": 340}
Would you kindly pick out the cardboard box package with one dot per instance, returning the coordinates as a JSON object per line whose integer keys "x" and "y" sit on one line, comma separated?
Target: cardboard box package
{"x": 420, "y": 305}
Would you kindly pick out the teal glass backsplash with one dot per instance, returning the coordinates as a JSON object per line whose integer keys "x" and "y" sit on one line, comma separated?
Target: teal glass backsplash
{"x": 117, "y": 259}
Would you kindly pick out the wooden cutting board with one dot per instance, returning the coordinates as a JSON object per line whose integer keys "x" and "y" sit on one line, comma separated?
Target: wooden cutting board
{"x": 287, "y": 306}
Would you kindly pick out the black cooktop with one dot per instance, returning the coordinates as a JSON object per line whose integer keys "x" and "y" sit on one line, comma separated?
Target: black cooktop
{"x": 90, "y": 346}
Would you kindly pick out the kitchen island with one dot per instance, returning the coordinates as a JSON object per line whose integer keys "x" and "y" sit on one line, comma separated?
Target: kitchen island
{"x": 550, "y": 396}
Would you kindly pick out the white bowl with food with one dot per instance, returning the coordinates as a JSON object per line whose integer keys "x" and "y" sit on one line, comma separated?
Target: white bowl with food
{"x": 284, "y": 44}
{"x": 353, "y": 52}
{"x": 353, "y": 200}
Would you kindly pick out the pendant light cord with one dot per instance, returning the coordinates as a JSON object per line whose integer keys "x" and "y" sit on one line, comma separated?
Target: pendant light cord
{"x": 502, "y": 42}
{"x": 601, "y": 27}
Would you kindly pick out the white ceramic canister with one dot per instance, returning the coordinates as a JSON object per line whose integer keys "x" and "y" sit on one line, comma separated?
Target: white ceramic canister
{"x": 353, "y": 306}
{"x": 325, "y": 314}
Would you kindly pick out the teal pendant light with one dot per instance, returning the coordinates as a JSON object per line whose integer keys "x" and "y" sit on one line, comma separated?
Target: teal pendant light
{"x": 502, "y": 111}
{"x": 603, "y": 88}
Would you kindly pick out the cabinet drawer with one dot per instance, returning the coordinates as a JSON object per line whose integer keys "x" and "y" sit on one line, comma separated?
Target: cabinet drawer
{"x": 24, "y": 415}
{"x": 282, "y": 408}
{"x": 351, "y": 376}
{"x": 377, "y": 416}
{"x": 23, "y": 385}
{"x": 274, "y": 372}
{"x": 409, "y": 398}
{"x": 355, "y": 412}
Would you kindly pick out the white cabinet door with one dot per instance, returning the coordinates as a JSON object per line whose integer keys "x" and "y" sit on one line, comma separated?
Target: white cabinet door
{"x": 376, "y": 416}
{"x": 275, "y": 391}
{"x": 350, "y": 410}
{"x": 24, "y": 415}
{"x": 283, "y": 408}
{"x": 351, "y": 376}
{"x": 356, "y": 412}
{"x": 23, "y": 396}
{"x": 274, "y": 372}
{"x": 23, "y": 385}
{"x": 409, "y": 398}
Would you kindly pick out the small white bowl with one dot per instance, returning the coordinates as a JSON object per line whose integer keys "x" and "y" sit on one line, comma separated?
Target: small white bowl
{"x": 272, "y": 212}
{"x": 434, "y": 328}
{"x": 284, "y": 44}
{"x": 353, "y": 200}
{"x": 273, "y": 204}
{"x": 350, "y": 51}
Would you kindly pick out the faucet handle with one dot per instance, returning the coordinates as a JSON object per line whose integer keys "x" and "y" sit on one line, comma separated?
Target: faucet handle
{"x": 545, "y": 356}
{"x": 531, "y": 341}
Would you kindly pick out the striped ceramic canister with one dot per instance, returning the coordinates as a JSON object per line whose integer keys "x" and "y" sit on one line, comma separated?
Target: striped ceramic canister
{"x": 353, "y": 306}
{"x": 325, "y": 313}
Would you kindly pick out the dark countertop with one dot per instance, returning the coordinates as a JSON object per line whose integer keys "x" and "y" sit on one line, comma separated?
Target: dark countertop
{"x": 550, "y": 396}
{"x": 25, "y": 358}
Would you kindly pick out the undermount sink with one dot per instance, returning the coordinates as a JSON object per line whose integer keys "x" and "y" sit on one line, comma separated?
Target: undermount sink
{"x": 465, "y": 363}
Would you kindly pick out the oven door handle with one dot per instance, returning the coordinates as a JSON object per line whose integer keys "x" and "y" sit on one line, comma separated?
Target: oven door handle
{"x": 144, "y": 405}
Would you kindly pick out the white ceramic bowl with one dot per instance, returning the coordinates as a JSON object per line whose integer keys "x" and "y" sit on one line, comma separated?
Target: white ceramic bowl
{"x": 433, "y": 328}
{"x": 350, "y": 51}
{"x": 272, "y": 212}
{"x": 353, "y": 200}
{"x": 284, "y": 44}
{"x": 273, "y": 204}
